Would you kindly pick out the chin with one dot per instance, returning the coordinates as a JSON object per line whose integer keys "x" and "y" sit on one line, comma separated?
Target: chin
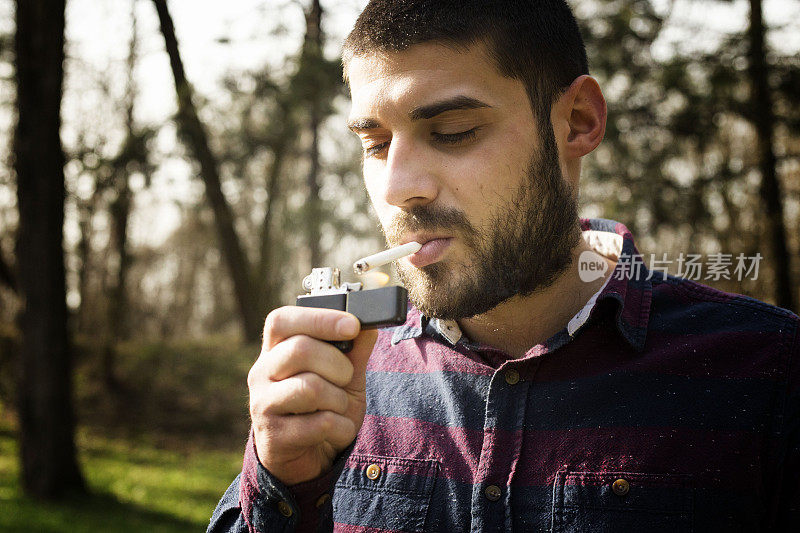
{"x": 450, "y": 300}
{"x": 431, "y": 288}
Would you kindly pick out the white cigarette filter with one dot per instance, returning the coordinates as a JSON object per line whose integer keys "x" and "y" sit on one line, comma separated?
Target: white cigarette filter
{"x": 386, "y": 256}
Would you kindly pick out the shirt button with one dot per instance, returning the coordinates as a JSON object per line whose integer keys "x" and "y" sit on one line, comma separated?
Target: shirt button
{"x": 621, "y": 487}
{"x": 322, "y": 500}
{"x": 373, "y": 471}
{"x": 285, "y": 509}
{"x": 512, "y": 376}
{"x": 493, "y": 493}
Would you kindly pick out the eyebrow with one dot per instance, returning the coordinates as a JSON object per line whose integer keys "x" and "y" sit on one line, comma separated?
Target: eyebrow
{"x": 451, "y": 104}
{"x": 425, "y": 112}
{"x": 361, "y": 124}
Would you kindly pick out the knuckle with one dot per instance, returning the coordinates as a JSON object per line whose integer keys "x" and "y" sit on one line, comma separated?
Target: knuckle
{"x": 299, "y": 344}
{"x": 326, "y": 422}
{"x": 309, "y": 386}
{"x": 298, "y": 390}
{"x": 273, "y": 320}
{"x": 256, "y": 408}
{"x": 254, "y": 375}
{"x": 289, "y": 357}
{"x": 262, "y": 406}
{"x": 298, "y": 348}
{"x": 277, "y": 365}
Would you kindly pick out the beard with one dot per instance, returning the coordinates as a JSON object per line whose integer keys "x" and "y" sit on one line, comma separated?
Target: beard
{"x": 523, "y": 248}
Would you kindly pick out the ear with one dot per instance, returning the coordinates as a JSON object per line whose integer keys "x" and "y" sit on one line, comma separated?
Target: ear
{"x": 579, "y": 118}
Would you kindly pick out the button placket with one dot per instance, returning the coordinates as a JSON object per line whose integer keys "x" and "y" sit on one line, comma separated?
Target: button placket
{"x": 505, "y": 410}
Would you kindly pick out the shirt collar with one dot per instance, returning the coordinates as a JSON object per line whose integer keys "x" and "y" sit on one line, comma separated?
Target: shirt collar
{"x": 412, "y": 328}
{"x": 628, "y": 286}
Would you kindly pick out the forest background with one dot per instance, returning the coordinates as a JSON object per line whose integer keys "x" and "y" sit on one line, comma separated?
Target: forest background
{"x": 170, "y": 171}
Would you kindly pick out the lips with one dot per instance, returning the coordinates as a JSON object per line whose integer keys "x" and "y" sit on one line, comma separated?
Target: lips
{"x": 432, "y": 251}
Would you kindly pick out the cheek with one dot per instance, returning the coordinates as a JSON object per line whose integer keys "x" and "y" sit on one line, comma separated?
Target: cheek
{"x": 373, "y": 186}
{"x": 382, "y": 209}
{"x": 488, "y": 173}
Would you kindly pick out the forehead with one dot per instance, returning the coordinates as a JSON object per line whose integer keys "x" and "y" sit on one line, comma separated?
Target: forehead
{"x": 424, "y": 72}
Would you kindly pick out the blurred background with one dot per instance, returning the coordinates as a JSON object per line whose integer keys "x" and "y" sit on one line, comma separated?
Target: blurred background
{"x": 199, "y": 167}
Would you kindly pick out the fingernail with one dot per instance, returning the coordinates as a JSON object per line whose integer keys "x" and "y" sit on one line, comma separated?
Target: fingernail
{"x": 347, "y": 326}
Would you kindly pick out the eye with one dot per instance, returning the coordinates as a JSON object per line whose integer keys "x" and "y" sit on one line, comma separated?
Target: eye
{"x": 455, "y": 138}
{"x": 371, "y": 151}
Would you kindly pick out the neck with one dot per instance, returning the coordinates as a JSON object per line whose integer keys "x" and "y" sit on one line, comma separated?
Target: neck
{"x": 521, "y": 322}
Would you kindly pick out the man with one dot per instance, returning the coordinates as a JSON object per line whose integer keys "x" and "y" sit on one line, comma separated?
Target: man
{"x": 519, "y": 395}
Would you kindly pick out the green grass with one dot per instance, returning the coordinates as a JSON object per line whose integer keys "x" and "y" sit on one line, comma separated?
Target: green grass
{"x": 133, "y": 487}
{"x": 157, "y": 452}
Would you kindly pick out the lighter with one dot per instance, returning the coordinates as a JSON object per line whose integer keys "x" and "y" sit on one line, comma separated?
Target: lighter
{"x": 374, "y": 308}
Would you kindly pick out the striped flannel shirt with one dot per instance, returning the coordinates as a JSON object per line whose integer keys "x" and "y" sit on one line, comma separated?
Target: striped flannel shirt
{"x": 664, "y": 405}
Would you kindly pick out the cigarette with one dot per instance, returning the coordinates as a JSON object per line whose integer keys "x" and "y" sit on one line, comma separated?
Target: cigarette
{"x": 386, "y": 256}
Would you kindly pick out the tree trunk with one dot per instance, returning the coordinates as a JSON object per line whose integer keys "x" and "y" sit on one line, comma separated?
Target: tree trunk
{"x": 763, "y": 119}
{"x": 85, "y": 319}
{"x": 118, "y": 295}
{"x": 195, "y": 135}
{"x": 314, "y": 217}
{"x": 120, "y": 209}
{"x": 49, "y": 467}
{"x": 312, "y": 52}
{"x": 267, "y": 292}
{"x": 7, "y": 276}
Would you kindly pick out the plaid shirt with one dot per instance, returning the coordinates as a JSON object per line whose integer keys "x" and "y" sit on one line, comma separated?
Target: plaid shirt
{"x": 664, "y": 405}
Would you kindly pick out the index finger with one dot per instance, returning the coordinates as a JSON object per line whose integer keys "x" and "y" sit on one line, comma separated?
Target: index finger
{"x": 323, "y": 324}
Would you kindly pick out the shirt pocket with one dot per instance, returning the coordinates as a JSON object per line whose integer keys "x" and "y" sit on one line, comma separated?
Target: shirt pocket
{"x": 621, "y": 501}
{"x": 389, "y": 493}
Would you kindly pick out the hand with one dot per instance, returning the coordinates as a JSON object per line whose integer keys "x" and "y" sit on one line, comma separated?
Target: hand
{"x": 307, "y": 398}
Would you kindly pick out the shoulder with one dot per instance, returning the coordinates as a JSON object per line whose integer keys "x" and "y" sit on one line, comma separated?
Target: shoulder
{"x": 731, "y": 335}
{"x": 698, "y": 308}
{"x": 742, "y": 352}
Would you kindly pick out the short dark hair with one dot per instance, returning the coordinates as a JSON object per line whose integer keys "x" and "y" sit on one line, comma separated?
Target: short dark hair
{"x": 535, "y": 41}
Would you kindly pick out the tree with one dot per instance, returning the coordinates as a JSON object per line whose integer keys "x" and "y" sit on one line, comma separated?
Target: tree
{"x": 7, "y": 276}
{"x": 258, "y": 147}
{"x": 49, "y": 466}
{"x": 308, "y": 94}
{"x": 133, "y": 152}
{"x": 310, "y": 61}
{"x": 132, "y": 156}
{"x": 763, "y": 119}
{"x": 314, "y": 85}
{"x": 196, "y": 137}
{"x": 679, "y": 163}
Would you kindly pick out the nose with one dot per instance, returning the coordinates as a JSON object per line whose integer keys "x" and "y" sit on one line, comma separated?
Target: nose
{"x": 409, "y": 178}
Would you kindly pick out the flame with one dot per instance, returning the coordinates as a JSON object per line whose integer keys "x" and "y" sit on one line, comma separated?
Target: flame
{"x": 374, "y": 279}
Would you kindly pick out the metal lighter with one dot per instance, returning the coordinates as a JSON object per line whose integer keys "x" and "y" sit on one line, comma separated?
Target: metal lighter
{"x": 374, "y": 308}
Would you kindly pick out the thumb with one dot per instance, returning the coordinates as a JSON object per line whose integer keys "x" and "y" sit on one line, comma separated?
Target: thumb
{"x": 359, "y": 356}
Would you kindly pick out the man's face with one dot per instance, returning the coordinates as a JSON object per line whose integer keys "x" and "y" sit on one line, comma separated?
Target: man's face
{"x": 454, "y": 159}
